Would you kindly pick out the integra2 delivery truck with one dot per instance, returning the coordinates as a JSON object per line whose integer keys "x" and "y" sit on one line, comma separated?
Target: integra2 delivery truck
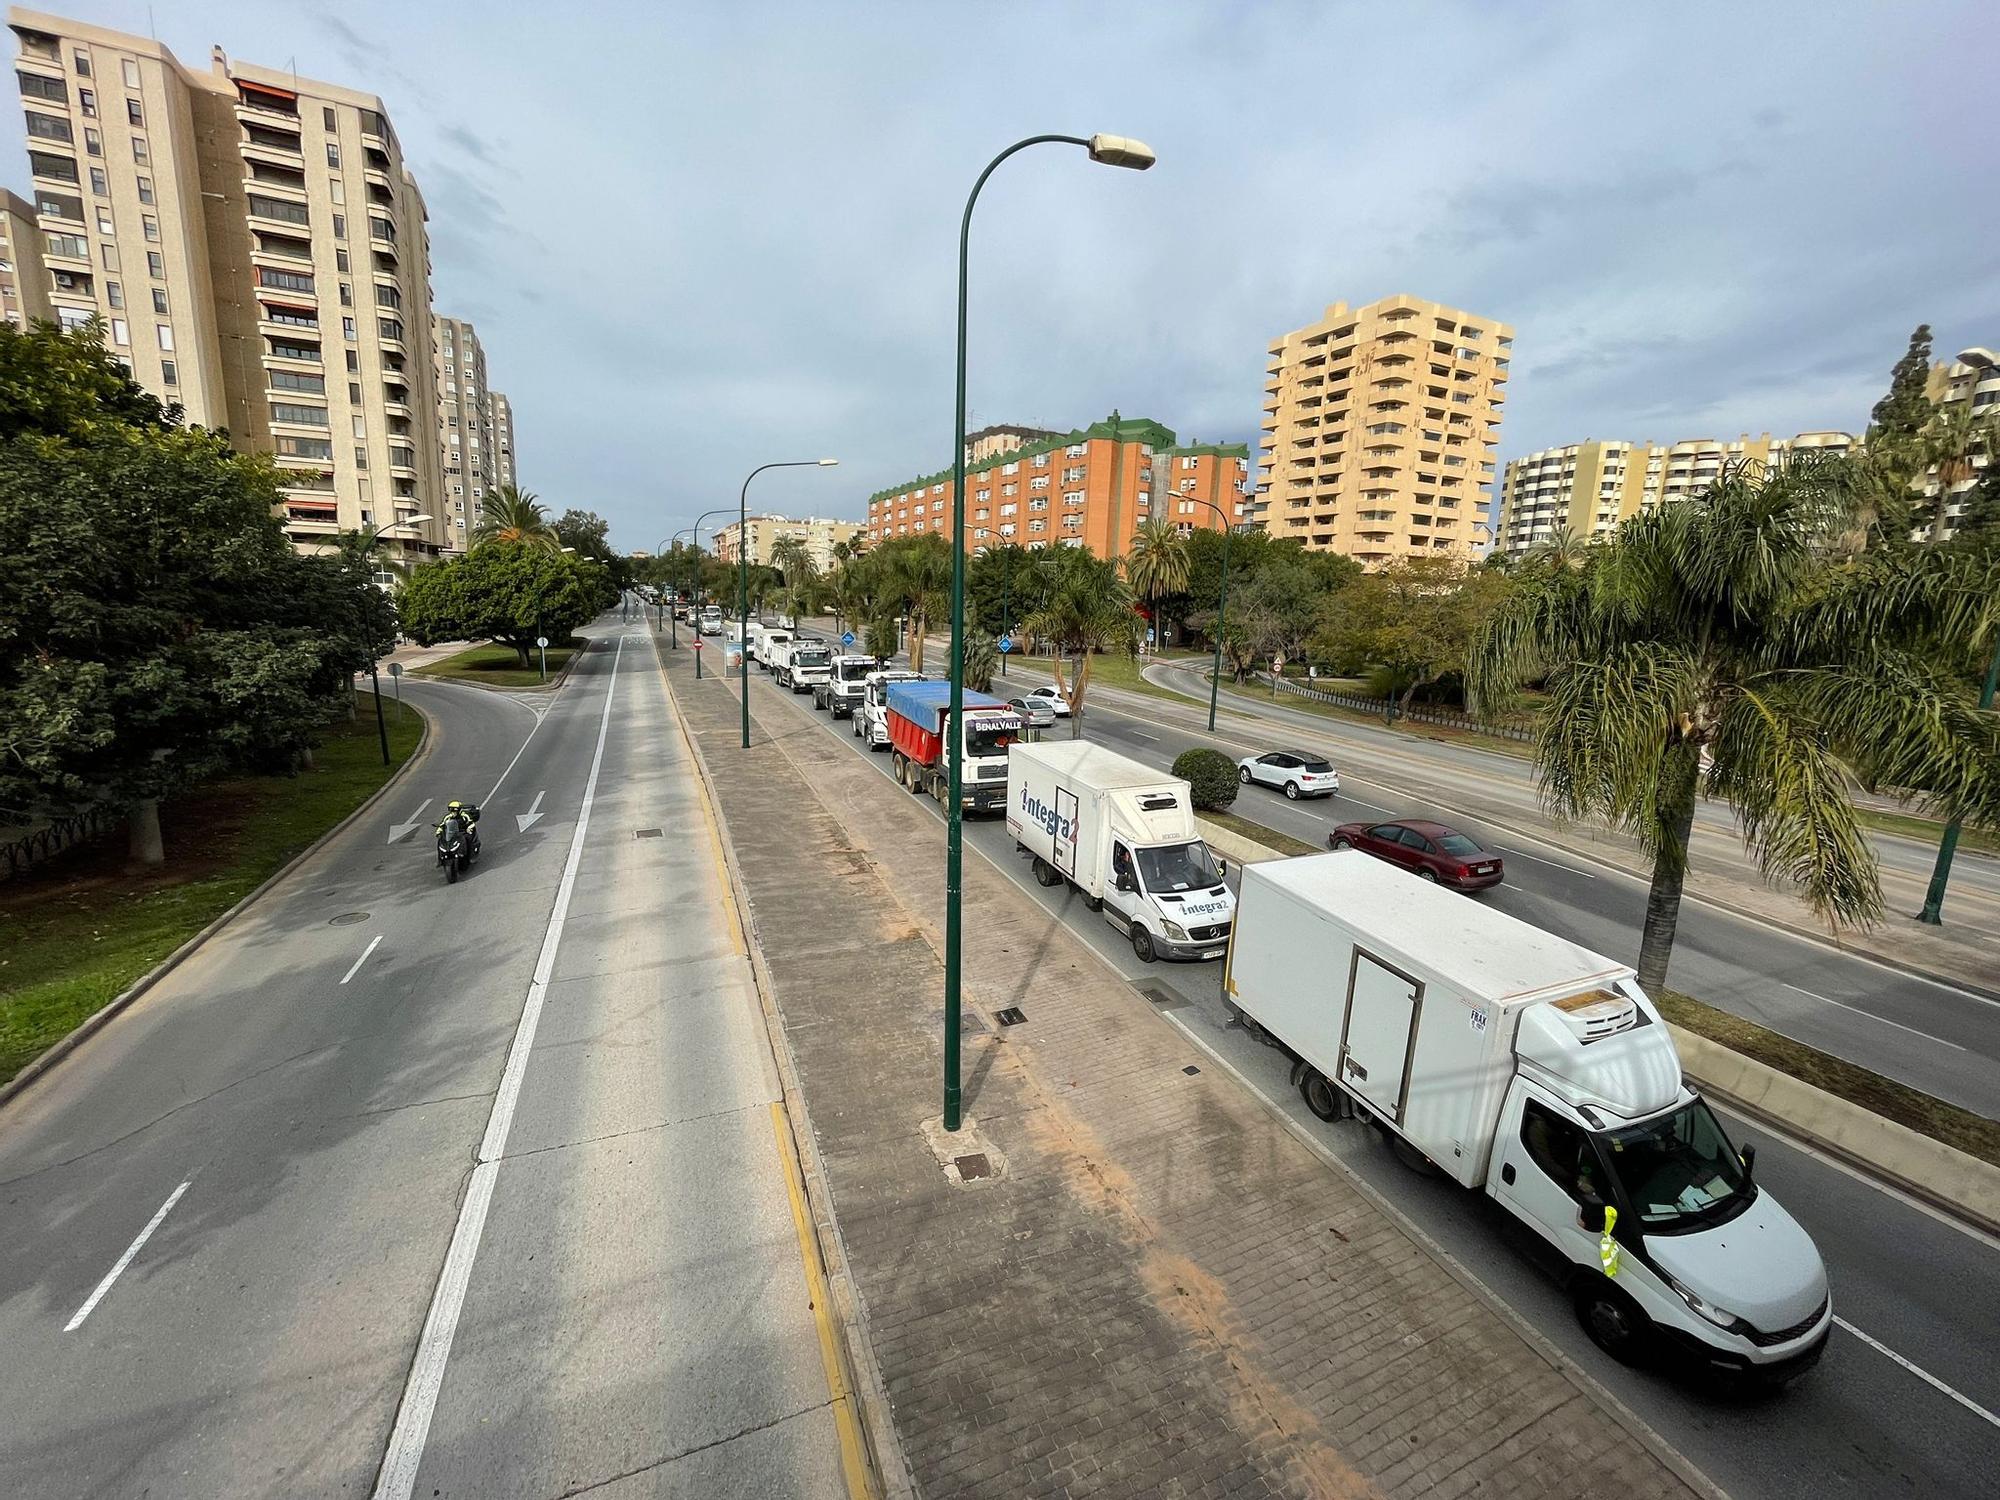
{"x": 1124, "y": 835}
{"x": 1539, "y": 1073}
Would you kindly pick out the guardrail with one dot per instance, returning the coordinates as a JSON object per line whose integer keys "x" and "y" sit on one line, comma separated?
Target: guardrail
{"x": 1420, "y": 713}
{"x": 58, "y": 834}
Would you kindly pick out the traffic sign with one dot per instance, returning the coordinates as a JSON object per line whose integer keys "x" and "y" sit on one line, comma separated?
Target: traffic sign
{"x": 697, "y": 643}
{"x": 395, "y": 669}
{"x": 542, "y": 641}
{"x": 847, "y": 638}
{"x": 1006, "y": 643}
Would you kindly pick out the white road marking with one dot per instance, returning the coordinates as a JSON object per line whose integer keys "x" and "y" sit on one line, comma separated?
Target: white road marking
{"x": 124, "y": 1260}
{"x": 404, "y": 830}
{"x": 1371, "y": 806}
{"x": 1151, "y": 739}
{"x": 1537, "y": 859}
{"x": 405, "y": 1454}
{"x": 1314, "y": 816}
{"x": 361, "y": 960}
{"x": 524, "y": 821}
{"x": 540, "y": 719}
{"x": 1857, "y": 1010}
{"x": 1920, "y": 1372}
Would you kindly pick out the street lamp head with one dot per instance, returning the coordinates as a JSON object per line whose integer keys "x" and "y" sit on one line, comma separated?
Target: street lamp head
{"x": 569, "y": 549}
{"x": 1121, "y": 151}
{"x": 828, "y": 463}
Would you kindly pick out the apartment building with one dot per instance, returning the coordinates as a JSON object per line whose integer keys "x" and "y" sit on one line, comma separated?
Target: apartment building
{"x": 468, "y": 425}
{"x": 1379, "y": 430}
{"x": 503, "y": 439}
{"x": 1588, "y": 488}
{"x": 1000, "y": 438}
{"x": 24, "y": 279}
{"x": 1972, "y": 379}
{"x": 1089, "y": 488}
{"x": 765, "y": 532}
{"x": 257, "y": 249}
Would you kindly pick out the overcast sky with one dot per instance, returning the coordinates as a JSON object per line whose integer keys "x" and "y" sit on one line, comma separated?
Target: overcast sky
{"x": 698, "y": 237}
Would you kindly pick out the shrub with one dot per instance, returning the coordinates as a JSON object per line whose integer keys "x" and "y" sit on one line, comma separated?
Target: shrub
{"x": 1211, "y": 778}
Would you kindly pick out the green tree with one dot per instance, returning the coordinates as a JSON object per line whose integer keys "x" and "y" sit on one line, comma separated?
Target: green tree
{"x": 1906, "y": 409}
{"x": 515, "y": 516}
{"x": 982, "y": 660}
{"x": 1088, "y": 610}
{"x": 1951, "y": 446}
{"x": 1156, "y": 565}
{"x": 61, "y": 383}
{"x": 1211, "y": 777}
{"x": 584, "y": 530}
{"x": 1727, "y": 628}
{"x": 509, "y": 592}
{"x": 917, "y": 578}
{"x": 1414, "y": 622}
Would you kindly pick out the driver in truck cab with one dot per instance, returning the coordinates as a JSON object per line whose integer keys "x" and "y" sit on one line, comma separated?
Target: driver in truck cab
{"x": 1121, "y": 866}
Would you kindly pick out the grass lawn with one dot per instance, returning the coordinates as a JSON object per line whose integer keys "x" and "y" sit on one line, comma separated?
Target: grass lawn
{"x": 1516, "y": 748}
{"x": 1257, "y": 833}
{"x": 499, "y": 666}
{"x": 1111, "y": 670}
{"x": 77, "y": 931}
{"x": 1973, "y": 1134}
{"x": 1926, "y": 830}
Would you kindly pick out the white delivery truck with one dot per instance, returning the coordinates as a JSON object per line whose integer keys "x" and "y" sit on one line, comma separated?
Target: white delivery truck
{"x": 1124, "y": 835}
{"x": 769, "y": 643}
{"x": 1538, "y": 1072}
{"x": 807, "y": 665}
{"x": 845, "y": 685}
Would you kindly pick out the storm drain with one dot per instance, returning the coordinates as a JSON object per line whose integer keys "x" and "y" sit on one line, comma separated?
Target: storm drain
{"x": 646, "y": 833}
{"x": 1013, "y": 1015}
{"x": 969, "y": 1167}
{"x": 1190, "y": 1070}
{"x": 1166, "y": 999}
{"x": 347, "y": 919}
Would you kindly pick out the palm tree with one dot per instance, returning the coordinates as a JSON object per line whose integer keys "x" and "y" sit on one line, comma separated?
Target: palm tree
{"x": 918, "y": 579}
{"x": 515, "y": 515}
{"x": 791, "y": 557}
{"x": 1157, "y": 565}
{"x": 1950, "y": 446}
{"x": 1723, "y": 645}
{"x": 1088, "y": 609}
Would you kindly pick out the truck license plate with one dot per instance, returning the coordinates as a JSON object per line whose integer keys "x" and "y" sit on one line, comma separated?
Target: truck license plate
{"x": 1213, "y": 952}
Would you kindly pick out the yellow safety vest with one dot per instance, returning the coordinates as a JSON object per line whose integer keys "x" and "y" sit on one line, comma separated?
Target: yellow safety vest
{"x": 1607, "y": 1247}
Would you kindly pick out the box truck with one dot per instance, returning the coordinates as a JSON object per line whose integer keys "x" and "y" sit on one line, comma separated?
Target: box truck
{"x": 1539, "y": 1073}
{"x": 917, "y": 715}
{"x": 1124, "y": 835}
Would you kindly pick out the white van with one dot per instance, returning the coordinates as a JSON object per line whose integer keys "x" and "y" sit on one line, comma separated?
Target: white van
{"x": 1538, "y": 1072}
{"x": 1124, "y": 835}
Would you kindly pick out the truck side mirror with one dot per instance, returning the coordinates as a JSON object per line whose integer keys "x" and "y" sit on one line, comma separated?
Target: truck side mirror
{"x": 1749, "y": 1158}
{"x": 1222, "y": 868}
{"x": 1127, "y": 883}
{"x": 1591, "y": 1213}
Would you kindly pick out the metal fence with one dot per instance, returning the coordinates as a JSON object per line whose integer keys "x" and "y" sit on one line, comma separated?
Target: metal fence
{"x": 1419, "y": 713}
{"x": 17, "y": 854}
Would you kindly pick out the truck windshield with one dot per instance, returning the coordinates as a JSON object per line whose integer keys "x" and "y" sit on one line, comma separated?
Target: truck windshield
{"x": 1178, "y": 867}
{"x": 811, "y": 656}
{"x": 854, "y": 671}
{"x": 980, "y": 740}
{"x": 1680, "y": 1169}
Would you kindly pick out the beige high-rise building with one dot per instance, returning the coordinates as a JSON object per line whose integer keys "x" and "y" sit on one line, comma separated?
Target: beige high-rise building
{"x": 767, "y": 531}
{"x": 1971, "y": 379}
{"x": 503, "y": 438}
{"x": 1379, "y": 429}
{"x": 467, "y": 426}
{"x": 258, "y": 251}
{"x": 24, "y": 279}
{"x": 1588, "y": 488}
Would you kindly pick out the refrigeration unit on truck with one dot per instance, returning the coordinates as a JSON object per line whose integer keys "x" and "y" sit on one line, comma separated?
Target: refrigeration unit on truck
{"x": 1123, "y": 834}
{"x": 871, "y": 719}
{"x": 925, "y": 742}
{"x": 1539, "y": 1073}
{"x": 846, "y": 684}
{"x": 808, "y": 665}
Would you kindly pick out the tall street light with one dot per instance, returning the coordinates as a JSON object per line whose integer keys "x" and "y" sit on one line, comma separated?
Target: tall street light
{"x": 374, "y": 681}
{"x": 694, "y": 566}
{"x": 1110, "y": 151}
{"x": 673, "y": 628}
{"x": 743, "y": 569}
{"x": 1221, "y": 604}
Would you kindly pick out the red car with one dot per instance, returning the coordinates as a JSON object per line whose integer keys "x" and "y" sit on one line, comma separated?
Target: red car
{"x": 1429, "y": 850}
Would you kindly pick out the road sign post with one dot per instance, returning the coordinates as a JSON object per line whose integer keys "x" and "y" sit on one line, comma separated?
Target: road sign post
{"x": 542, "y": 645}
{"x": 847, "y": 639}
{"x": 396, "y": 682}
{"x": 697, "y": 658}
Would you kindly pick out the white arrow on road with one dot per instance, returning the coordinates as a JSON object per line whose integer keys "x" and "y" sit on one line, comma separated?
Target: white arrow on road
{"x": 531, "y": 817}
{"x": 404, "y": 830}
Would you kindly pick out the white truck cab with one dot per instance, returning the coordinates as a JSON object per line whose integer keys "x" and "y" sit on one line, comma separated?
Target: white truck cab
{"x": 871, "y": 719}
{"x": 846, "y": 684}
{"x": 807, "y": 664}
{"x": 1522, "y": 1065}
{"x": 1124, "y": 835}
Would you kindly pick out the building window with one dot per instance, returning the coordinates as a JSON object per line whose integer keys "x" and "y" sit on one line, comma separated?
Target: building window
{"x": 347, "y": 330}
{"x": 166, "y": 337}
{"x": 333, "y": 155}
{"x": 340, "y": 261}
{"x": 326, "y": 117}
{"x": 151, "y": 226}
{"x": 99, "y": 183}
{"x": 156, "y": 265}
{"x": 87, "y": 101}
{"x": 73, "y": 246}
{"x": 304, "y": 447}
{"x": 169, "y": 375}
{"x": 114, "y": 294}
{"x": 121, "y": 333}
{"x": 134, "y": 115}
{"x": 82, "y": 64}
{"x": 110, "y": 254}
{"x": 353, "y": 363}
{"x": 49, "y": 128}
{"x": 130, "y": 71}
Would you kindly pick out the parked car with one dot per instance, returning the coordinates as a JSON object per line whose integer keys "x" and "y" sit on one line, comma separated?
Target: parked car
{"x": 1058, "y": 704}
{"x": 1429, "y": 850}
{"x": 1035, "y": 712}
{"x": 1295, "y": 772}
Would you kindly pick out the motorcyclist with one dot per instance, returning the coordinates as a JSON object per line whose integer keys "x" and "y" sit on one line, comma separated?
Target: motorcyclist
{"x": 468, "y": 814}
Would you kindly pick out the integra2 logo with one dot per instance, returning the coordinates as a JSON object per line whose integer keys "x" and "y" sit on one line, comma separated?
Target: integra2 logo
{"x": 1054, "y": 824}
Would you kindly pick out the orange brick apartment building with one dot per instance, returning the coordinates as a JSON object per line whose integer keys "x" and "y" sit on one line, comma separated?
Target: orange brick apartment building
{"x": 1091, "y": 488}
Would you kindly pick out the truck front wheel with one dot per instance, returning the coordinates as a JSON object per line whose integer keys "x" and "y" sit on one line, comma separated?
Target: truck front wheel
{"x": 1612, "y": 1319}
{"x": 1142, "y": 943}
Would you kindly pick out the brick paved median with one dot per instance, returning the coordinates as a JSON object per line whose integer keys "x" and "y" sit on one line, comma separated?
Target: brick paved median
{"x": 1165, "y": 1293}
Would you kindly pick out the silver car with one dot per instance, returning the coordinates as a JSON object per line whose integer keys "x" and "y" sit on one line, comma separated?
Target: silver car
{"x": 1036, "y": 713}
{"x": 1298, "y": 773}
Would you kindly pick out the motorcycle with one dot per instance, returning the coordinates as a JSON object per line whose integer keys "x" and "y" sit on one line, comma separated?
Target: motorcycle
{"x": 457, "y": 846}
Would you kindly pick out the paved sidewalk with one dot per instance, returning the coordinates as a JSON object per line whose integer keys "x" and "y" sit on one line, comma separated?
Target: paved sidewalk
{"x": 1163, "y": 1292}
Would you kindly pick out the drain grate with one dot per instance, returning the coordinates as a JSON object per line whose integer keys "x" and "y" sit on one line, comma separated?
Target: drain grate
{"x": 347, "y": 919}
{"x": 1013, "y": 1015}
{"x": 1166, "y": 999}
{"x": 1190, "y": 1070}
{"x": 973, "y": 1165}
{"x": 646, "y": 833}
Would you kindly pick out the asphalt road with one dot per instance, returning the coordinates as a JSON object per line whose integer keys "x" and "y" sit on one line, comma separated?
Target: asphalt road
{"x": 224, "y": 1222}
{"x": 1931, "y": 1035}
{"x": 1865, "y": 1424}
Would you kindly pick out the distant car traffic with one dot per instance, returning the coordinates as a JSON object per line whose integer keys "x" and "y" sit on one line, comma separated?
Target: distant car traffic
{"x": 1035, "y": 712}
{"x": 1429, "y": 850}
{"x": 1058, "y": 704}
{"x": 1294, "y": 772}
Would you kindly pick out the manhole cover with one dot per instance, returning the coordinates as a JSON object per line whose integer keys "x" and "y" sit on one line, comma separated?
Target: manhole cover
{"x": 348, "y": 919}
{"x": 1013, "y": 1015}
{"x": 1190, "y": 1070}
{"x": 969, "y": 1167}
{"x": 646, "y": 833}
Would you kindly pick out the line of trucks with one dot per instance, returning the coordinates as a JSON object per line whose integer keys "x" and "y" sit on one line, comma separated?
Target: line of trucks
{"x": 1510, "y": 1060}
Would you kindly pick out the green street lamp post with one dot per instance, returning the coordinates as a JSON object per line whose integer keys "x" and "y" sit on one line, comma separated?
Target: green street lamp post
{"x": 673, "y": 631}
{"x": 1111, "y": 151}
{"x": 374, "y": 681}
{"x": 694, "y": 613}
{"x": 743, "y": 571}
{"x": 1221, "y": 604}
{"x": 1933, "y": 909}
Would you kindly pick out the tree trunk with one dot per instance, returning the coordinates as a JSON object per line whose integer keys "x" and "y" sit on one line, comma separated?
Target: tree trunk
{"x": 144, "y": 819}
{"x": 1663, "y": 899}
{"x": 527, "y": 662}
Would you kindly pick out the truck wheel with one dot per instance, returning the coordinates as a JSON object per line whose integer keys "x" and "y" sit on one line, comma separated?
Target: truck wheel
{"x": 1093, "y": 903}
{"x": 1046, "y": 874}
{"x": 1321, "y": 1097}
{"x": 1414, "y": 1159}
{"x": 1612, "y": 1319}
{"x": 1142, "y": 944}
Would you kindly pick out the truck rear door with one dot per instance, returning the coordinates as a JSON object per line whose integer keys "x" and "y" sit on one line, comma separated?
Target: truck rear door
{"x": 1383, "y": 1004}
{"x": 1065, "y": 850}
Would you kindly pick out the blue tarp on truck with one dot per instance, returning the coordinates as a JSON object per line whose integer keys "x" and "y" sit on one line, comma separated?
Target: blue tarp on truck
{"x": 925, "y": 704}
